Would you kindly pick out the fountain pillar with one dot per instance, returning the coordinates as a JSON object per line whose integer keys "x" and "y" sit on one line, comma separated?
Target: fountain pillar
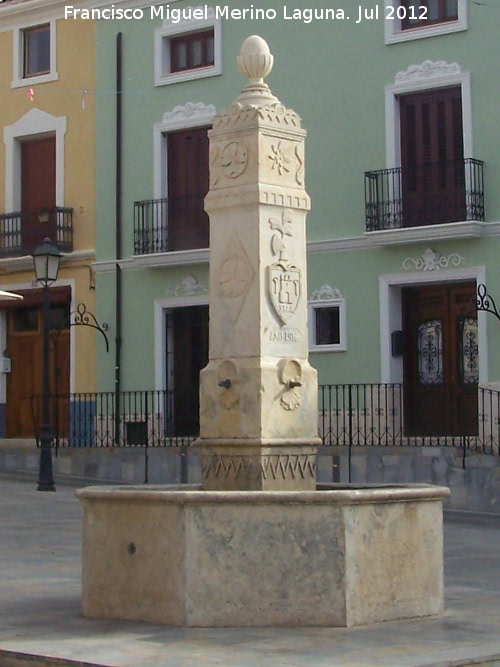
{"x": 258, "y": 394}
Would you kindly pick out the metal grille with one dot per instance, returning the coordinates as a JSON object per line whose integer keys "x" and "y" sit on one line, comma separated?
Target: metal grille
{"x": 386, "y": 199}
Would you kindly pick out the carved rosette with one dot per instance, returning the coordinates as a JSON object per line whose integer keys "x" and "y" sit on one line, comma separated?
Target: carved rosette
{"x": 234, "y": 159}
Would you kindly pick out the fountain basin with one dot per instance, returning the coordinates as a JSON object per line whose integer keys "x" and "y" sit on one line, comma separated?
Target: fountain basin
{"x": 336, "y": 556}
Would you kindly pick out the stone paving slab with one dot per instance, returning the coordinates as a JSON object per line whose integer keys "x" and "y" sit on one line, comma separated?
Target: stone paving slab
{"x": 40, "y": 566}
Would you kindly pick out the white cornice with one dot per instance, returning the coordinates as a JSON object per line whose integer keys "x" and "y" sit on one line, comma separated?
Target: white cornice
{"x": 337, "y": 245}
{"x": 124, "y": 4}
{"x": 79, "y": 255}
{"x": 13, "y": 14}
{"x": 25, "y": 263}
{"x": 448, "y": 231}
{"x": 104, "y": 267}
{"x": 155, "y": 261}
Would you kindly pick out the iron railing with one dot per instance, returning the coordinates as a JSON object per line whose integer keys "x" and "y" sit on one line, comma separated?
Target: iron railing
{"x": 99, "y": 419}
{"x": 372, "y": 415}
{"x": 19, "y": 234}
{"x": 175, "y": 223}
{"x": 353, "y": 415}
{"x": 424, "y": 195}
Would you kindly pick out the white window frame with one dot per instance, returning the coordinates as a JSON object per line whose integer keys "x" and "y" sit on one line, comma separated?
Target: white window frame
{"x": 427, "y": 76}
{"x": 36, "y": 124}
{"x": 177, "y": 298}
{"x": 394, "y": 33}
{"x": 182, "y": 117}
{"x": 326, "y": 297}
{"x": 18, "y": 80}
{"x": 169, "y": 29}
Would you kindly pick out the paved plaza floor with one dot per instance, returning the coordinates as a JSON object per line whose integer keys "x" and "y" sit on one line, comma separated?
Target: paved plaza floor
{"x": 40, "y": 567}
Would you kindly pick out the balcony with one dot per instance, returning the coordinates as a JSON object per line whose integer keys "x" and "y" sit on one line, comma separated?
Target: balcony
{"x": 21, "y": 232}
{"x": 165, "y": 225}
{"x": 421, "y": 196}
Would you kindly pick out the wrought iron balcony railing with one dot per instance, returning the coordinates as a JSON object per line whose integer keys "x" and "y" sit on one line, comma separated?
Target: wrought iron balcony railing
{"x": 427, "y": 194}
{"x": 22, "y": 231}
{"x": 174, "y": 223}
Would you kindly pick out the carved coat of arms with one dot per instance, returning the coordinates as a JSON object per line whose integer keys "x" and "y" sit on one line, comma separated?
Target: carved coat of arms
{"x": 284, "y": 287}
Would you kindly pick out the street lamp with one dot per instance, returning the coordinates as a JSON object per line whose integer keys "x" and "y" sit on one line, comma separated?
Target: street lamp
{"x": 46, "y": 259}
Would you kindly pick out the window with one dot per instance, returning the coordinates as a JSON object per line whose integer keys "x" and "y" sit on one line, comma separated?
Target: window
{"x": 187, "y": 185}
{"x": 327, "y": 325}
{"x": 192, "y": 51}
{"x": 34, "y": 57}
{"x": 415, "y": 19}
{"x": 422, "y": 13}
{"x": 432, "y": 157}
{"x": 36, "y": 50}
{"x": 189, "y": 48}
{"x": 327, "y": 321}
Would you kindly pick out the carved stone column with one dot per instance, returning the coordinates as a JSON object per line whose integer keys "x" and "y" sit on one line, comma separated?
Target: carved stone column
{"x": 258, "y": 393}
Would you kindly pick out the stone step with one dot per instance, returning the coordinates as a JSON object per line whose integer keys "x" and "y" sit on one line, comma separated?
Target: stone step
{"x": 17, "y": 659}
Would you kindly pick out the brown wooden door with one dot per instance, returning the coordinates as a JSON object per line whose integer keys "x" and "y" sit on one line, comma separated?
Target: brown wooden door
{"x": 38, "y": 191}
{"x": 187, "y": 186}
{"x": 24, "y": 382}
{"x": 440, "y": 360}
{"x": 187, "y": 354}
{"x": 432, "y": 159}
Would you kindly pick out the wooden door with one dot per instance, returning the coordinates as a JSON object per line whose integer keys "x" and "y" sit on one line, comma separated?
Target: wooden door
{"x": 432, "y": 159}
{"x": 187, "y": 354}
{"x": 187, "y": 185}
{"x": 24, "y": 382}
{"x": 441, "y": 360}
{"x": 38, "y": 191}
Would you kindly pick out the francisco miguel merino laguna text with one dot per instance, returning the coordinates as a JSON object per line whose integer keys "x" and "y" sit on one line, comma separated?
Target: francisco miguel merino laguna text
{"x": 176, "y": 14}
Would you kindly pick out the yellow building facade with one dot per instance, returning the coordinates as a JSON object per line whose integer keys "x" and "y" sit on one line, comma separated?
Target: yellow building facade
{"x": 47, "y": 189}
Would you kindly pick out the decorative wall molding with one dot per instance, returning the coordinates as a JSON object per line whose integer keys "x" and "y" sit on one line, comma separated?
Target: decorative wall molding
{"x": 189, "y": 286}
{"x": 428, "y": 70}
{"x": 325, "y": 293}
{"x": 432, "y": 261}
{"x": 276, "y": 113}
{"x": 184, "y": 115}
{"x": 274, "y": 195}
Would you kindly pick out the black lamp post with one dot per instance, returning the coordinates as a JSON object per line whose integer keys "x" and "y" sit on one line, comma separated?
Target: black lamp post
{"x": 46, "y": 259}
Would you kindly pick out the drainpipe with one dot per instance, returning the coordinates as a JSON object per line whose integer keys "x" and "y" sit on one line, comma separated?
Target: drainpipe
{"x": 118, "y": 235}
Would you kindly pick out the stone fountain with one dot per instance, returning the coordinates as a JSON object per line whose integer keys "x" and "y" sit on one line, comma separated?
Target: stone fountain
{"x": 259, "y": 544}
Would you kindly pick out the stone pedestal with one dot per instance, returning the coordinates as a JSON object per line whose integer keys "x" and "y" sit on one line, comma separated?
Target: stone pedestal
{"x": 337, "y": 557}
{"x": 258, "y": 390}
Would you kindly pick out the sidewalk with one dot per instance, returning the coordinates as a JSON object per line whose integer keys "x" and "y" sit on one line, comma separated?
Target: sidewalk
{"x": 40, "y": 560}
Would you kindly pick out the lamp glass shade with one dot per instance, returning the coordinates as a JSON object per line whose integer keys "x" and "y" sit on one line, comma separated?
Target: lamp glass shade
{"x": 46, "y": 259}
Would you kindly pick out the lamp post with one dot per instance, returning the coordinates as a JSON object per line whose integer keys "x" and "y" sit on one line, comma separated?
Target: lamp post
{"x": 46, "y": 259}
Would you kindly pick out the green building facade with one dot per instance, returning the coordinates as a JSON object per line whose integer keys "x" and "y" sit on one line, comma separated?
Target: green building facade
{"x": 402, "y": 167}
